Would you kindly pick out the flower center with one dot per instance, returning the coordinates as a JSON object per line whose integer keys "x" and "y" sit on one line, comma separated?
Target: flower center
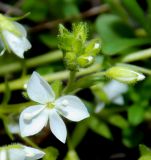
{"x": 50, "y": 105}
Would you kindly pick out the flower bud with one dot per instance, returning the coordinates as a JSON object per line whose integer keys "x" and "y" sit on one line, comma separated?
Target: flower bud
{"x": 70, "y": 60}
{"x": 85, "y": 61}
{"x": 124, "y": 74}
{"x": 93, "y": 47}
{"x": 80, "y": 31}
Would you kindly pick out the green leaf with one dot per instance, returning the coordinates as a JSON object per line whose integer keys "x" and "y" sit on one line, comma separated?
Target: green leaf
{"x": 117, "y": 36}
{"x": 78, "y": 133}
{"x": 135, "y": 115}
{"x": 118, "y": 121}
{"x": 88, "y": 81}
{"x": 70, "y": 10}
{"x": 71, "y": 155}
{"x": 51, "y": 153}
{"x": 131, "y": 137}
{"x": 38, "y": 11}
{"x": 100, "y": 127}
{"x": 116, "y": 6}
{"x": 135, "y": 10}
{"x": 144, "y": 150}
{"x": 122, "y": 44}
{"x": 145, "y": 158}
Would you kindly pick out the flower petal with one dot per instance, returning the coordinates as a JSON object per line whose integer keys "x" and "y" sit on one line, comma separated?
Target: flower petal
{"x": 3, "y": 155}
{"x": 36, "y": 120}
{"x": 57, "y": 126}
{"x": 114, "y": 89}
{"x": 39, "y": 90}
{"x": 74, "y": 109}
{"x": 16, "y": 154}
{"x": 118, "y": 100}
{"x": 32, "y": 153}
{"x": 18, "y": 44}
{"x": 21, "y": 29}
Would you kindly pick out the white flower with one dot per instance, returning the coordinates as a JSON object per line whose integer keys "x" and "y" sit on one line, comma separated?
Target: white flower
{"x": 113, "y": 91}
{"x": 34, "y": 118}
{"x": 20, "y": 152}
{"x": 13, "y": 37}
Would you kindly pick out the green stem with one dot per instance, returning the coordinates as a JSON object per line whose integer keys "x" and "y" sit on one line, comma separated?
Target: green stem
{"x": 135, "y": 56}
{"x": 72, "y": 77}
{"x": 15, "y": 108}
{"x": 30, "y": 142}
{"x": 32, "y": 62}
{"x": 137, "y": 68}
{"x": 61, "y": 75}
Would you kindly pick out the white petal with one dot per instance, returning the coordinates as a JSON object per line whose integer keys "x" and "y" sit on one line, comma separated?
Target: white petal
{"x": 32, "y": 153}
{"x": 14, "y": 128}
{"x": 114, "y": 89}
{"x": 16, "y": 154}
{"x": 21, "y": 29}
{"x": 3, "y": 155}
{"x": 57, "y": 126}
{"x": 118, "y": 100}
{"x": 99, "y": 107}
{"x": 34, "y": 124}
{"x": 39, "y": 90}
{"x": 18, "y": 44}
{"x": 75, "y": 110}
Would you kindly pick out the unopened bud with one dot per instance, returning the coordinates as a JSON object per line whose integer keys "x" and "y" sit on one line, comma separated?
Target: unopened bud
{"x": 70, "y": 60}
{"x": 93, "y": 47}
{"x": 85, "y": 61}
{"x": 124, "y": 74}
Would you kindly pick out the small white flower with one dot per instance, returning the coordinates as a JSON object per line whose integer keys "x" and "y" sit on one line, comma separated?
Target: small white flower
{"x": 13, "y": 37}
{"x": 20, "y": 152}
{"x": 113, "y": 91}
{"x": 34, "y": 118}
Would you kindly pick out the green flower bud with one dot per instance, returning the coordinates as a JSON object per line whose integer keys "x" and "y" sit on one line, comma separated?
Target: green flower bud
{"x": 124, "y": 74}
{"x": 85, "y": 61}
{"x": 70, "y": 60}
{"x": 93, "y": 47}
{"x": 80, "y": 31}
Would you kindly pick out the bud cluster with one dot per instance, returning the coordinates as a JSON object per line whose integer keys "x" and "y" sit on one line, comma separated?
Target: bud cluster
{"x": 78, "y": 53}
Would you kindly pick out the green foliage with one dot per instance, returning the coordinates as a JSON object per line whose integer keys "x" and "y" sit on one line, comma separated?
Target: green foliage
{"x": 135, "y": 115}
{"x": 51, "y": 153}
{"x": 145, "y": 152}
{"x": 117, "y": 36}
{"x": 122, "y": 35}
{"x": 100, "y": 127}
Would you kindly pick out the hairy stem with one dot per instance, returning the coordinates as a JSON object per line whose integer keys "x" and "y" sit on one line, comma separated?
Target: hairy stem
{"x": 61, "y": 75}
{"x": 135, "y": 56}
{"x": 72, "y": 77}
{"x": 32, "y": 62}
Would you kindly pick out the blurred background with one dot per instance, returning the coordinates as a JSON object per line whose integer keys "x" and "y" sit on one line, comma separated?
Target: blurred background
{"x": 115, "y": 129}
